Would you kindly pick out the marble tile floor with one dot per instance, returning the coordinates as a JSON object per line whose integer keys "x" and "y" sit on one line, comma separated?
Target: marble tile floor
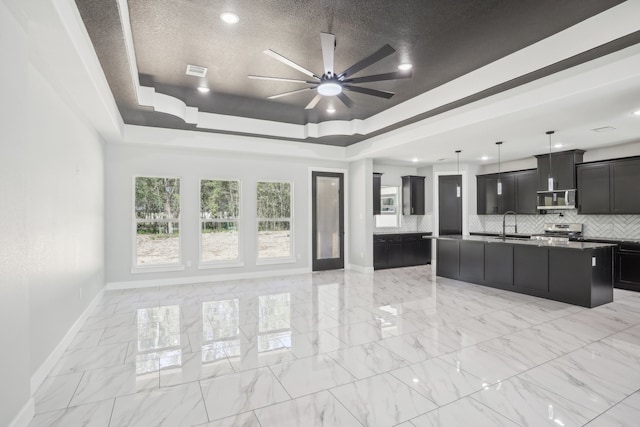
{"x": 394, "y": 348}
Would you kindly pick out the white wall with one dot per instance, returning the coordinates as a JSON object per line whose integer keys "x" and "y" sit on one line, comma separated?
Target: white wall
{"x": 126, "y": 161}
{"x": 14, "y": 264}
{"x": 361, "y": 214}
{"x": 52, "y": 187}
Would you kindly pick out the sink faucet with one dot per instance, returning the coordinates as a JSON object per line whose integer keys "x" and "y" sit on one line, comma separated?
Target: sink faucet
{"x": 515, "y": 223}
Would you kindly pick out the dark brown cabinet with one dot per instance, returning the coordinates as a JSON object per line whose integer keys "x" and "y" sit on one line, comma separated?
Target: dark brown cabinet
{"x": 625, "y": 182}
{"x": 562, "y": 167}
{"x": 609, "y": 187}
{"x": 526, "y": 191}
{"x": 575, "y": 276}
{"x": 377, "y": 186}
{"x": 413, "y": 195}
{"x": 518, "y": 193}
{"x": 593, "y": 185}
{"x": 400, "y": 250}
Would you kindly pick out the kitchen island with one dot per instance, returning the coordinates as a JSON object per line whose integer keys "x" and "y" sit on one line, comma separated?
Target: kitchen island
{"x": 579, "y": 273}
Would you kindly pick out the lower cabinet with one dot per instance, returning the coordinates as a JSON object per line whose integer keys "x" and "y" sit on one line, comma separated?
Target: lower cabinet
{"x": 498, "y": 266}
{"x": 401, "y": 250}
{"x": 472, "y": 262}
{"x": 531, "y": 269}
{"x": 581, "y": 277}
{"x": 627, "y": 266}
{"x": 448, "y": 259}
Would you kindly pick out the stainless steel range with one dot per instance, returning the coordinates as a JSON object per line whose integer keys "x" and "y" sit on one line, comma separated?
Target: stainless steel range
{"x": 559, "y": 233}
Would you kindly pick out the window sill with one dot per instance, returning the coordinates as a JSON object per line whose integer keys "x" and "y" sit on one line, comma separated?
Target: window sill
{"x": 222, "y": 264}
{"x": 157, "y": 268}
{"x": 271, "y": 261}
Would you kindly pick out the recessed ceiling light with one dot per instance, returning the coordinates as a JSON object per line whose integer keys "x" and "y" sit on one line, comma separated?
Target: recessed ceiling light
{"x": 604, "y": 129}
{"x": 229, "y": 18}
{"x": 331, "y": 110}
{"x": 414, "y": 160}
{"x": 404, "y": 67}
{"x": 484, "y": 158}
{"x": 636, "y": 113}
{"x": 203, "y": 89}
{"x": 558, "y": 145}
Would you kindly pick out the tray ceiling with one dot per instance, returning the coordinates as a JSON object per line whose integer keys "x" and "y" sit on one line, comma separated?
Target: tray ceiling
{"x": 442, "y": 39}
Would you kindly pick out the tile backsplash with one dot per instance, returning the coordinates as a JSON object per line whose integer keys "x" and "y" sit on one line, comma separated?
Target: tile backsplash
{"x": 614, "y": 226}
{"x": 410, "y": 223}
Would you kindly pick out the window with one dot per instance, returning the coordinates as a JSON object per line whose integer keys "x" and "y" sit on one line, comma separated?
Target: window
{"x": 219, "y": 218}
{"x": 388, "y": 208}
{"x": 157, "y": 220}
{"x": 274, "y": 220}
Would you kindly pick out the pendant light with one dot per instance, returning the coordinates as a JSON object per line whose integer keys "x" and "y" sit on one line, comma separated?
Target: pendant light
{"x": 499, "y": 189}
{"x": 550, "y": 183}
{"x": 458, "y": 189}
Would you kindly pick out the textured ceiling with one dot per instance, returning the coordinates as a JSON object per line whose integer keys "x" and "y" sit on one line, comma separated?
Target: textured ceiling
{"x": 443, "y": 39}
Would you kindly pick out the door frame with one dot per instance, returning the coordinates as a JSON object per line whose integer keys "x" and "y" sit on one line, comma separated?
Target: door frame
{"x": 466, "y": 187}
{"x": 345, "y": 173}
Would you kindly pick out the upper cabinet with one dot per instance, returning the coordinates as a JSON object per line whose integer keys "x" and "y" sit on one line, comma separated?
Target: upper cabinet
{"x": 562, "y": 167}
{"x": 518, "y": 193}
{"x": 609, "y": 187}
{"x": 413, "y": 195}
{"x": 593, "y": 188}
{"x": 526, "y": 191}
{"x": 377, "y": 186}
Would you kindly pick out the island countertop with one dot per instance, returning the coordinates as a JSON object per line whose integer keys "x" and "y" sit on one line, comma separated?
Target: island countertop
{"x": 525, "y": 241}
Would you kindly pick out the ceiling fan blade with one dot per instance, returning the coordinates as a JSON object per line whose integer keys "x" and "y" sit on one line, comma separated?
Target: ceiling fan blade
{"x": 381, "y": 53}
{"x": 313, "y": 102}
{"x": 367, "y": 91}
{"x": 278, "y": 79}
{"x": 291, "y": 64}
{"x": 345, "y": 99}
{"x": 328, "y": 42}
{"x": 380, "y": 77}
{"x": 288, "y": 93}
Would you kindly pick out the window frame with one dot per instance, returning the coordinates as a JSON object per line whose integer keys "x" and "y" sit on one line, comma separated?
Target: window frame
{"x": 398, "y": 206}
{"x": 276, "y": 260}
{"x": 239, "y": 261}
{"x": 154, "y": 268}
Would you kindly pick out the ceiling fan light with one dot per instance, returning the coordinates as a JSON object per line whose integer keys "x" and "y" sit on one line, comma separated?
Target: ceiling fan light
{"x": 331, "y": 110}
{"x": 230, "y": 18}
{"x": 203, "y": 89}
{"x": 405, "y": 67}
{"x": 329, "y": 89}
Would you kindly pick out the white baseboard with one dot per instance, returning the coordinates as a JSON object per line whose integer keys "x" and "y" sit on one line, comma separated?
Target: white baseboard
{"x": 133, "y": 284}
{"x": 43, "y": 371}
{"x": 360, "y": 268}
{"x": 25, "y": 415}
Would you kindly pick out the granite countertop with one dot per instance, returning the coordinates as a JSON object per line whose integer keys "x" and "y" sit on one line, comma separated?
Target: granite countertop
{"x": 382, "y": 233}
{"x": 529, "y": 242}
{"x": 608, "y": 239}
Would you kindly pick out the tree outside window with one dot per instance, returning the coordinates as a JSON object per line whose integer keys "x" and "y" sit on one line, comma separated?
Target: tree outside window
{"x": 219, "y": 218}
{"x": 157, "y": 216}
{"x": 274, "y": 220}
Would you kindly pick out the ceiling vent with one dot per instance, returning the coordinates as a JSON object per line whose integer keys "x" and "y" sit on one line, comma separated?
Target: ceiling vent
{"x": 604, "y": 129}
{"x": 196, "y": 71}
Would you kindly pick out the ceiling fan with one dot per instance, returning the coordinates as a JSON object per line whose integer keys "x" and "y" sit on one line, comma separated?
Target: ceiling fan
{"x": 332, "y": 84}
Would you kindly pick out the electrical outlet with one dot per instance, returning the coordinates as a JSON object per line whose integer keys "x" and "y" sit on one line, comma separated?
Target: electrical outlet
{"x": 361, "y": 254}
{"x": 80, "y": 292}
{"x": 188, "y": 263}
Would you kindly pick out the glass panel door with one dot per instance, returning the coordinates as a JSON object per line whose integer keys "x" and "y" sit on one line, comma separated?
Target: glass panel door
{"x": 328, "y": 221}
